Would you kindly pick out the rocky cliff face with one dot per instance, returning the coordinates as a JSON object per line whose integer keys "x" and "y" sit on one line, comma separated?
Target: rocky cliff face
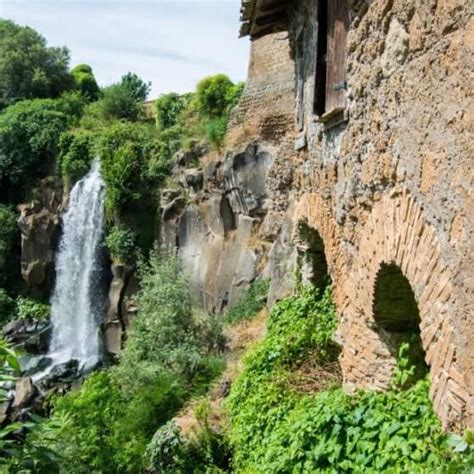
{"x": 39, "y": 224}
{"x": 227, "y": 209}
{"x": 213, "y": 218}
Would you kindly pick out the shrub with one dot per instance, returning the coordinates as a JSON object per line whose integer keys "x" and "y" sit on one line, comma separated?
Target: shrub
{"x": 121, "y": 244}
{"x": 204, "y": 450}
{"x": 29, "y": 309}
{"x": 167, "y": 449}
{"x": 168, "y": 109}
{"x": 138, "y": 88}
{"x": 85, "y": 82}
{"x": 29, "y": 134}
{"x": 118, "y": 102}
{"x": 250, "y": 302}
{"x": 166, "y": 335}
{"x": 122, "y": 100}
{"x": 76, "y": 154}
{"x": 215, "y": 131}
{"x": 121, "y": 148}
{"x": 213, "y": 94}
{"x": 234, "y": 94}
{"x": 278, "y": 425}
{"x": 28, "y": 67}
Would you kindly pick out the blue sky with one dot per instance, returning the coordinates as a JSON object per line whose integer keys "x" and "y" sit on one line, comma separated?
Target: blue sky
{"x": 170, "y": 43}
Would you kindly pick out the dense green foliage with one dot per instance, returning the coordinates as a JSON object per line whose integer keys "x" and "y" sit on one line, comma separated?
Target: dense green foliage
{"x": 168, "y": 109}
{"x": 138, "y": 88}
{"x": 76, "y": 154}
{"x": 250, "y": 302}
{"x": 121, "y": 244}
{"x": 187, "y": 118}
{"x": 29, "y": 136}
{"x": 85, "y": 82}
{"x": 101, "y": 428}
{"x": 167, "y": 335}
{"x": 21, "y": 308}
{"x": 17, "y": 454}
{"x": 206, "y": 451}
{"x": 215, "y": 95}
{"x": 28, "y": 67}
{"x": 30, "y": 309}
{"x": 122, "y": 100}
{"x": 278, "y": 427}
{"x": 125, "y": 150}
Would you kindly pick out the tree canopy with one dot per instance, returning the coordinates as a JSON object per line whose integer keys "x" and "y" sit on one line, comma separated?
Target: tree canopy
{"x": 28, "y": 67}
{"x": 85, "y": 82}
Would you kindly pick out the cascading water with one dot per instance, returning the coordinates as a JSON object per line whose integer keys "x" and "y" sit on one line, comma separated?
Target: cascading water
{"x": 75, "y": 304}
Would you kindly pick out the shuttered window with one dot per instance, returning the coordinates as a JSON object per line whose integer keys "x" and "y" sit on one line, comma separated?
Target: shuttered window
{"x": 331, "y": 61}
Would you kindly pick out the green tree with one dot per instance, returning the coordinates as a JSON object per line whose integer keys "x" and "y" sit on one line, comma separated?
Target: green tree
{"x": 213, "y": 94}
{"x": 29, "y": 134}
{"x": 139, "y": 89}
{"x": 168, "y": 109}
{"x": 28, "y": 67}
{"x": 85, "y": 81}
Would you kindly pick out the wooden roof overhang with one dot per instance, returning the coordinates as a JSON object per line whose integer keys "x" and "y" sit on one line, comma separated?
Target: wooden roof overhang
{"x": 262, "y": 17}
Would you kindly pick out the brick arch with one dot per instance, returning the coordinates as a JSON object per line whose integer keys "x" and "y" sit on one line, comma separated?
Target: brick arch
{"x": 314, "y": 212}
{"x": 396, "y": 233}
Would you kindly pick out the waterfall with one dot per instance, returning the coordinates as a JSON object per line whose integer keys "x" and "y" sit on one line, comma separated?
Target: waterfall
{"x": 75, "y": 303}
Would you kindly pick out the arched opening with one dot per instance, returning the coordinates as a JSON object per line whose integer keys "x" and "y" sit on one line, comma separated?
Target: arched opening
{"x": 312, "y": 262}
{"x": 397, "y": 319}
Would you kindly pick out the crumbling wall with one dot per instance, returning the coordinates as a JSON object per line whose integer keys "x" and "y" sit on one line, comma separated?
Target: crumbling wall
{"x": 393, "y": 184}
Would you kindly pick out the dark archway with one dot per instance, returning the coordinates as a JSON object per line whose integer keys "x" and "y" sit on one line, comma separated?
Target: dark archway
{"x": 311, "y": 257}
{"x": 397, "y": 318}
{"x": 395, "y": 308}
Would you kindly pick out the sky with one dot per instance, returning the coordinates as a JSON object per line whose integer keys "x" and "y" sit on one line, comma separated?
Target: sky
{"x": 173, "y": 44}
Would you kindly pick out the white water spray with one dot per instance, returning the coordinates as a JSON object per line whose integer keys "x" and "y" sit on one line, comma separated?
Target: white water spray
{"x": 75, "y": 314}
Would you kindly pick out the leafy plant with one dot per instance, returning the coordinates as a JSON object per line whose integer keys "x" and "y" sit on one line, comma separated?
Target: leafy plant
{"x": 167, "y": 450}
{"x": 85, "y": 82}
{"x": 122, "y": 153}
{"x": 250, "y": 302}
{"x": 122, "y": 100}
{"x": 29, "y": 309}
{"x": 169, "y": 108}
{"x": 411, "y": 366}
{"x": 76, "y": 154}
{"x": 121, "y": 244}
{"x": 204, "y": 450}
{"x": 213, "y": 94}
{"x": 16, "y": 453}
{"x": 276, "y": 427}
{"x": 215, "y": 131}
{"x": 166, "y": 335}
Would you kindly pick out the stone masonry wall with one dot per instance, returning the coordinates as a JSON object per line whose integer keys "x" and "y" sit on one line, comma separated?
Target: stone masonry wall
{"x": 394, "y": 185}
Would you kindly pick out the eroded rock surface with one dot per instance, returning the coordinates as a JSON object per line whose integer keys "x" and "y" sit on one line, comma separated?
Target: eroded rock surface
{"x": 39, "y": 224}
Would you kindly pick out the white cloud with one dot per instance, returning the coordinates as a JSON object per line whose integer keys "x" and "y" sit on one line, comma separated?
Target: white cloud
{"x": 172, "y": 44}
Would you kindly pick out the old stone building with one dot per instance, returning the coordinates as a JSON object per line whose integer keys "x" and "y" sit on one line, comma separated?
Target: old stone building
{"x": 372, "y": 181}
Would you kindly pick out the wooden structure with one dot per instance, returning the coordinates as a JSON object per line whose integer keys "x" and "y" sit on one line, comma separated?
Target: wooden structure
{"x": 261, "y": 17}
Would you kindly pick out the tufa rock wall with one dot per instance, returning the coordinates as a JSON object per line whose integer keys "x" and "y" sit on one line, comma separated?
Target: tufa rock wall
{"x": 227, "y": 207}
